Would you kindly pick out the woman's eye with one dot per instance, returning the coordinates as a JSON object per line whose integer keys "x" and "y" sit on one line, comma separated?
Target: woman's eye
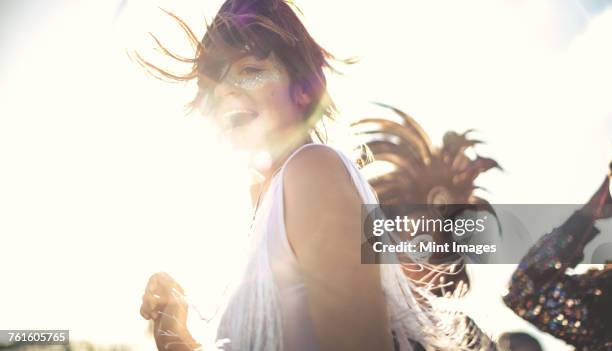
{"x": 250, "y": 70}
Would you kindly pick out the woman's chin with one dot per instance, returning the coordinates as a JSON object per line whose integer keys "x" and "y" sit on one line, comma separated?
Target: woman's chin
{"x": 245, "y": 142}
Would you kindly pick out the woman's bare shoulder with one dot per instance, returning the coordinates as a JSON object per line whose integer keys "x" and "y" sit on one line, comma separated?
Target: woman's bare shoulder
{"x": 315, "y": 166}
{"x": 318, "y": 189}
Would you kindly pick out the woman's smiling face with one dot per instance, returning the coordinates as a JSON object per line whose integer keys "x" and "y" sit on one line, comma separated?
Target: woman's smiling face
{"x": 253, "y": 104}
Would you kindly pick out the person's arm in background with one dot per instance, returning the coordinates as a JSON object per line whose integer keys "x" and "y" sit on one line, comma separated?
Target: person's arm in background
{"x": 574, "y": 308}
{"x": 323, "y": 221}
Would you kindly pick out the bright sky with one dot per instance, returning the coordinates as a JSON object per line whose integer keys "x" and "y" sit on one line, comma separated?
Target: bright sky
{"x": 104, "y": 181}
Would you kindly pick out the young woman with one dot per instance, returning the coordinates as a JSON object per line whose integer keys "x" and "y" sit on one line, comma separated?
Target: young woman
{"x": 260, "y": 78}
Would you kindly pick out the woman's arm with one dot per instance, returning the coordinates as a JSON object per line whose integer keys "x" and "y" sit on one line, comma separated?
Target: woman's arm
{"x": 323, "y": 222}
{"x": 565, "y": 306}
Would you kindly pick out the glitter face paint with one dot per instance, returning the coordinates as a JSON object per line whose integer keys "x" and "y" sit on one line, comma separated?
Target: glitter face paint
{"x": 256, "y": 79}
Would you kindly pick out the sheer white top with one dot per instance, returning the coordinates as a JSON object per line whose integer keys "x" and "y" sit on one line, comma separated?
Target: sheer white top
{"x": 270, "y": 311}
{"x": 298, "y": 333}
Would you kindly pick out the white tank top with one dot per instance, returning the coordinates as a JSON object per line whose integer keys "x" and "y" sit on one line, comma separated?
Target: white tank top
{"x": 273, "y": 295}
{"x": 298, "y": 333}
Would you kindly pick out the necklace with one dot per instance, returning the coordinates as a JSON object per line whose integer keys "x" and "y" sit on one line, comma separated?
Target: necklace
{"x": 261, "y": 191}
{"x": 260, "y": 195}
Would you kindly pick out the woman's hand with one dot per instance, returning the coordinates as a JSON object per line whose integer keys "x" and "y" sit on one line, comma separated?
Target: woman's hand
{"x": 161, "y": 290}
{"x": 600, "y": 204}
{"x": 163, "y": 303}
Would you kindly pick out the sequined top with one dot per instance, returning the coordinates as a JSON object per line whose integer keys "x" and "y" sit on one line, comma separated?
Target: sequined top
{"x": 574, "y": 308}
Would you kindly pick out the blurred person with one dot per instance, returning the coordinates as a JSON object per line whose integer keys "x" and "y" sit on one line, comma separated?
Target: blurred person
{"x": 423, "y": 173}
{"x": 260, "y": 79}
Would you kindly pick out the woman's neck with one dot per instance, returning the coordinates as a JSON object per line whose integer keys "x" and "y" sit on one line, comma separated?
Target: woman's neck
{"x": 260, "y": 178}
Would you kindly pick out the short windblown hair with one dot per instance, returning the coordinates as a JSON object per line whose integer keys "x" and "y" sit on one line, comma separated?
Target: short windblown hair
{"x": 259, "y": 28}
